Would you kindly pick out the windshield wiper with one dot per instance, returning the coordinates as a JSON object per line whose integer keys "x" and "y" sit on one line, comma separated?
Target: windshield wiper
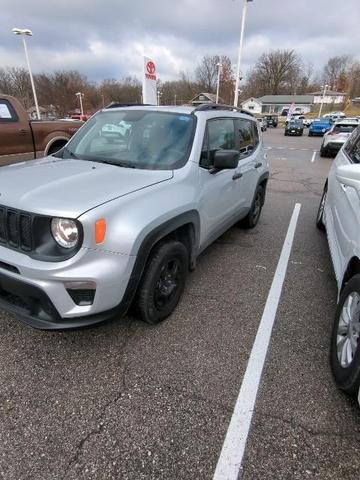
{"x": 116, "y": 163}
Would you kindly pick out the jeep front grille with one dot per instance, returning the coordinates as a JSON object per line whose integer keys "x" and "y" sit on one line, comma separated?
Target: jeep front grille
{"x": 16, "y": 229}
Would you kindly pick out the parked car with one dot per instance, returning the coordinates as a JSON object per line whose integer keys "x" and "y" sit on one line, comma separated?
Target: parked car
{"x": 295, "y": 116}
{"x": 309, "y": 121}
{"x": 99, "y": 226}
{"x": 263, "y": 124}
{"x": 22, "y": 139}
{"x": 352, "y": 119}
{"x": 339, "y": 214}
{"x": 294, "y": 127}
{"x": 335, "y": 115}
{"x": 272, "y": 120}
{"x": 335, "y": 138}
{"x": 320, "y": 127}
{"x": 112, "y": 131}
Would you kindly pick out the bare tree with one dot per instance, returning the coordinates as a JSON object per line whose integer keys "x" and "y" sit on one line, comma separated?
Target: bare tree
{"x": 276, "y": 72}
{"x": 206, "y": 73}
{"x": 127, "y": 90}
{"x": 227, "y": 80}
{"x": 16, "y": 81}
{"x": 354, "y": 80}
{"x": 336, "y": 72}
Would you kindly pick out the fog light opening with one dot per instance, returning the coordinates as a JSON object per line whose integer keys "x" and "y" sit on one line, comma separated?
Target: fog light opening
{"x": 82, "y": 293}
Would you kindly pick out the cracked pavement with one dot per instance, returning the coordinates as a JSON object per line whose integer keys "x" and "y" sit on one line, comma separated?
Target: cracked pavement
{"x": 130, "y": 401}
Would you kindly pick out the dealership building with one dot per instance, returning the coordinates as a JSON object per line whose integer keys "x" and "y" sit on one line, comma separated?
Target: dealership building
{"x": 302, "y": 103}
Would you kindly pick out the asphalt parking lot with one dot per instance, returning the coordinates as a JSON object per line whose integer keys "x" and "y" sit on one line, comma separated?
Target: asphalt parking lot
{"x": 129, "y": 401}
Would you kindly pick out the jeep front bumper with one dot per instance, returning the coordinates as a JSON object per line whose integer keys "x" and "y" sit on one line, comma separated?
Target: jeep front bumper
{"x": 38, "y": 292}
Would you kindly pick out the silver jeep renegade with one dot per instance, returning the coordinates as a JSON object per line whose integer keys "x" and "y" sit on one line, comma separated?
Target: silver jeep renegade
{"x": 119, "y": 215}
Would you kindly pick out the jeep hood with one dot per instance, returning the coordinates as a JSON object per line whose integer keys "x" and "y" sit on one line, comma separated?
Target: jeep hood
{"x": 67, "y": 187}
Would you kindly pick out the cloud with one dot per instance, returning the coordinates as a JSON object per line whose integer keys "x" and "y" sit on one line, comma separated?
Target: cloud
{"x": 105, "y": 39}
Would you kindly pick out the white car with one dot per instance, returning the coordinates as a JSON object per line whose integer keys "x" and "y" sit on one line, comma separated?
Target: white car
{"x": 335, "y": 138}
{"x": 334, "y": 115}
{"x": 116, "y": 130}
{"x": 339, "y": 214}
{"x": 308, "y": 122}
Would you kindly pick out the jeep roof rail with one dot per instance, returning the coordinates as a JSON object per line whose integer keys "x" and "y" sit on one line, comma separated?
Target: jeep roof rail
{"x": 118, "y": 105}
{"x": 219, "y": 106}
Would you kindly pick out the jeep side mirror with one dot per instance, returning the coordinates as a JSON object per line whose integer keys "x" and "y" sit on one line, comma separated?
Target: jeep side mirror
{"x": 226, "y": 159}
{"x": 349, "y": 175}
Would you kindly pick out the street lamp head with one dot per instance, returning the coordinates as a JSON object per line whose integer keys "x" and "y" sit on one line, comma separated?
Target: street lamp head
{"x": 22, "y": 31}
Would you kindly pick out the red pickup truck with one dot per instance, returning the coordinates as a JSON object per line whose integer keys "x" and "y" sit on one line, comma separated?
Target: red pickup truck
{"x": 22, "y": 139}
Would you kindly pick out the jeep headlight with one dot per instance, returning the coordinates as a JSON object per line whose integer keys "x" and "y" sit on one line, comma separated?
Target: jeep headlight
{"x": 65, "y": 232}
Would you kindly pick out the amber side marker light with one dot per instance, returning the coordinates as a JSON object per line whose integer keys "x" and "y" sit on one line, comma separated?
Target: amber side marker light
{"x": 100, "y": 230}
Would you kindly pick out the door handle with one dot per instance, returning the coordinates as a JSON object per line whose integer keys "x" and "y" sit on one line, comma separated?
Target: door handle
{"x": 258, "y": 165}
{"x": 23, "y": 131}
{"x": 237, "y": 175}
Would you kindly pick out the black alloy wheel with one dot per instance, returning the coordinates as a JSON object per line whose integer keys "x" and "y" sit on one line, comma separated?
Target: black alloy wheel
{"x": 252, "y": 218}
{"x": 163, "y": 281}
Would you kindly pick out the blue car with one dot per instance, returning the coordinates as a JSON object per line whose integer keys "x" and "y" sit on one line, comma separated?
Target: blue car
{"x": 320, "y": 127}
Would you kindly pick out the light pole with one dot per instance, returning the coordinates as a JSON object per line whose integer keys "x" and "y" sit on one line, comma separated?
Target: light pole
{"x": 322, "y": 98}
{"x": 219, "y": 65}
{"x": 23, "y": 32}
{"x": 237, "y": 79}
{"x": 80, "y": 97}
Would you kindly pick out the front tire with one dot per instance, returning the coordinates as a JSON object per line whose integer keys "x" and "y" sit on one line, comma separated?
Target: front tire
{"x": 252, "y": 218}
{"x": 345, "y": 351}
{"x": 163, "y": 281}
{"x": 320, "y": 214}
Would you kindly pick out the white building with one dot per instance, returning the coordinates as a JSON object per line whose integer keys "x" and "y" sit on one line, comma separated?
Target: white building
{"x": 252, "y": 105}
{"x": 330, "y": 97}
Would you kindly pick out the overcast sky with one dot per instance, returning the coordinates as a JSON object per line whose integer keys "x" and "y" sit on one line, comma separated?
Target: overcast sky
{"x": 107, "y": 38}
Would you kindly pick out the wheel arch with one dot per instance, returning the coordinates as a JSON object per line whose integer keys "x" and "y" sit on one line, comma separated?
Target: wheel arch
{"x": 353, "y": 268}
{"x": 58, "y": 140}
{"x": 263, "y": 180}
{"x": 184, "y": 227}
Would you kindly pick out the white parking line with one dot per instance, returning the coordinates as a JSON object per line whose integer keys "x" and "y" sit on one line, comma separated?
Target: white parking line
{"x": 313, "y": 156}
{"x": 229, "y": 463}
{"x": 289, "y": 148}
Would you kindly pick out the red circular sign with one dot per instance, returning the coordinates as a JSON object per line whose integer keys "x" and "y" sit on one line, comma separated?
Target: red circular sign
{"x": 150, "y": 67}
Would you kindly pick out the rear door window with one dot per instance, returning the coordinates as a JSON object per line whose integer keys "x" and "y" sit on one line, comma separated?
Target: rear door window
{"x": 248, "y": 135}
{"x": 7, "y": 113}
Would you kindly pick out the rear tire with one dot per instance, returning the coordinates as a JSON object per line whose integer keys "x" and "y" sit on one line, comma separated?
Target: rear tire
{"x": 163, "y": 281}
{"x": 320, "y": 214}
{"x": 252, "y": 218}
{"x": 344, "y": 350}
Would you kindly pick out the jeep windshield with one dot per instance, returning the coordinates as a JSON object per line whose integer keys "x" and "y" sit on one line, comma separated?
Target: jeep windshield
{"x": 149, "y": 139}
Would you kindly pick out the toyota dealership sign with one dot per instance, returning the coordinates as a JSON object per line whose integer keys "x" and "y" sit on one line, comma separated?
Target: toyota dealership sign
{"x": 149, "y": 82}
